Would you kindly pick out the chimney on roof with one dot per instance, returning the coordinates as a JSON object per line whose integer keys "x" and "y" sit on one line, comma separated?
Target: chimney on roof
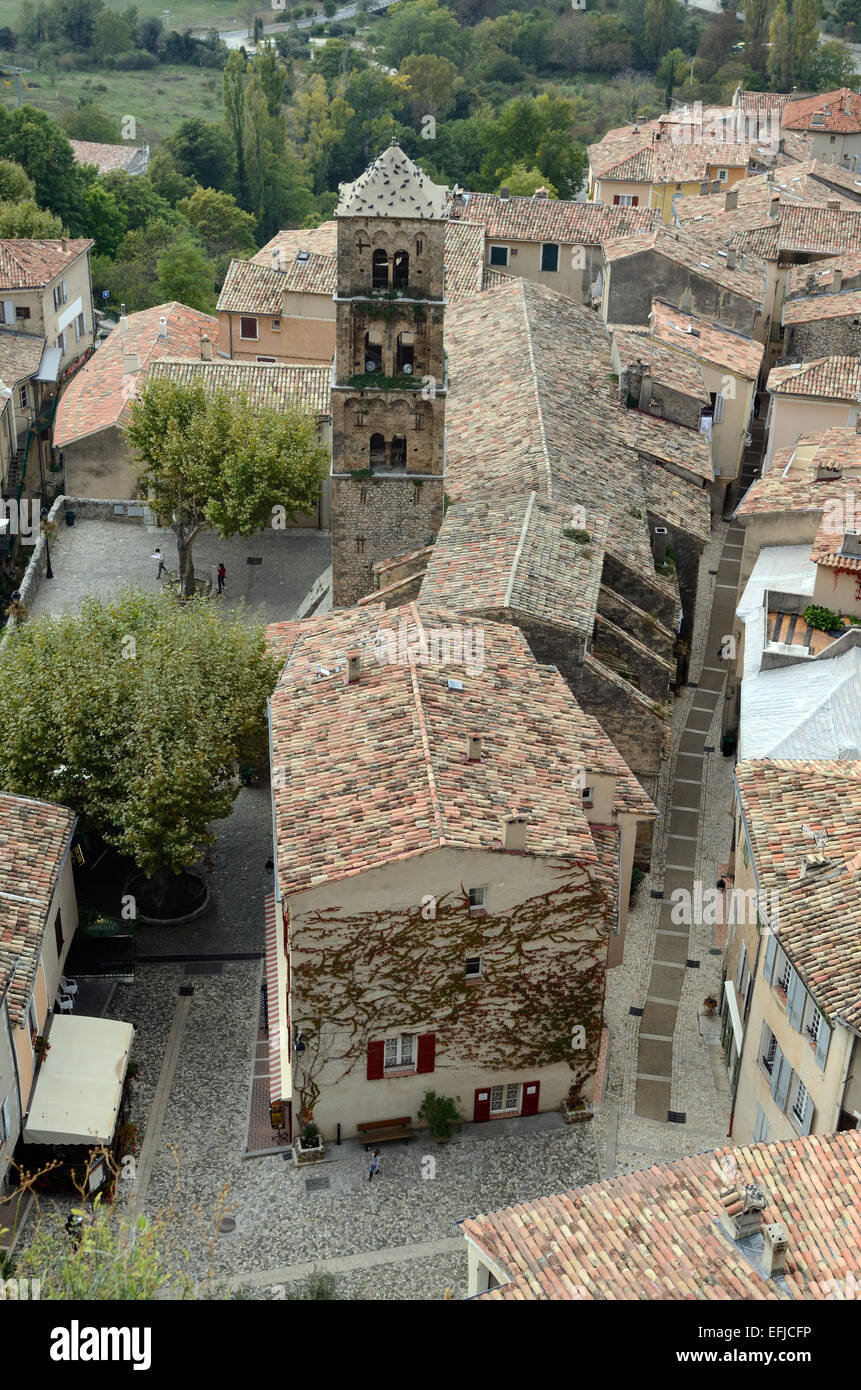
{"x": 774, "y": 1250}
{"x": 514, "y": 834}
{"x": 836, "y": 280}
{"x": 504, "y": 194}
{"x": 743, "y": 1206}
{"x": 848, "y": 107}
{"x": 659, "y": 544}
{"x": 64, "y": 243}
{"x": 730, "y": 200}
{"x": 774, "y": 207}
{"x": 833, "y": 204}
{"x": 813, "y": 864}
{"x": 541, "y": 193}
{"x": 205, "y": 349}
{"x": 122, "y": 325}
{"x": 851, "y": 544}
{"x": 458, "y": 202}
{"x": 731, "y": 258}
{"x": 353, "y": 668}
{"x": 829, "y": 472}
{"x": 276, "y": 258}
{"x": 162, "y": 326}
{"x": 131, "y": 362}
{"x": 473, "y": 748}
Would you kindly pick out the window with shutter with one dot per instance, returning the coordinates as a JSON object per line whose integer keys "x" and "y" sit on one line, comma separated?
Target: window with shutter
{"x": 376, "y": 1060}
{"x": 801, "y": 1108}
{"x": 760, "y": 1129}
{"x": 741, "y": 963}
{"x": 718, "y": 407}
{"x": 426, "y": 1052}
{"x": 781, "y": 1080}
{"x": 767, "y": 1050}
{"x": 770, "y": 953}
{"x": 796, "y": 997}
{"x": 823, "y": 1038}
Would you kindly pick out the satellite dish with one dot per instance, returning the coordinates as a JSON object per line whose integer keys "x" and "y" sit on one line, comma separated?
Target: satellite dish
{"x": 370, "y": 366}
{"x": 408, "y": 369}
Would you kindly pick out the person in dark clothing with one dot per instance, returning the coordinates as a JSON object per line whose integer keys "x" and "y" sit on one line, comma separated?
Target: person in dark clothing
{"x": 221, "y": 573}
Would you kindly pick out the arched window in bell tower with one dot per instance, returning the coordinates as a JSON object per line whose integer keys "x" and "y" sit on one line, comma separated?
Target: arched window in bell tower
{"x": 373, "y": 351}
{"x": 377, "y": 451}
{"x": 405, "y": 358}
{"x": 380, "y": 271}
{"x": 398, "y": 451}
{"x": 401, "y": 270}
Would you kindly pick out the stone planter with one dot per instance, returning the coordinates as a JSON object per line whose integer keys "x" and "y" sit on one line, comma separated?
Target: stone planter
{"x": 307, "y": 1153}
{"x": 578, "y": 1115}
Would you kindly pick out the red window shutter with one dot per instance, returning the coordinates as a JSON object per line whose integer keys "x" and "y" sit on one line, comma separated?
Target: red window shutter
{"x": 482, "y": 1105}
{"x": 635, "y": 200}
{"x": 376, "y": 1060}
{"x": 426, "y": 1052}
{"x": 615, "y": 200}
{"x": 530, "y": 1097}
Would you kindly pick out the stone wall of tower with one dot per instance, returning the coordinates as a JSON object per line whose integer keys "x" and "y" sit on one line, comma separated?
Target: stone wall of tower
{"x": 376, "y": 517}
{"x": 383, "y": 506}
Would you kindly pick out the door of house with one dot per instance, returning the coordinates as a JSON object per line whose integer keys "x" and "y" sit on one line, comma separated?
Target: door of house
{"x": 482, "y": 1105}
{"x": 530, "y": 1098}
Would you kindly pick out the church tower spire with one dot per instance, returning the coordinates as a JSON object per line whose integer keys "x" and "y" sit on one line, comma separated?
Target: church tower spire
{"x": 389, "y": 383}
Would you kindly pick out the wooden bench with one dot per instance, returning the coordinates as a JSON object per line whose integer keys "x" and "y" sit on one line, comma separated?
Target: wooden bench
{"x": 383, "y": 1131}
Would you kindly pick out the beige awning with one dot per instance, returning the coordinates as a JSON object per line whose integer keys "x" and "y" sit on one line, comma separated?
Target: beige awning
{"x": 78, "y": 1093}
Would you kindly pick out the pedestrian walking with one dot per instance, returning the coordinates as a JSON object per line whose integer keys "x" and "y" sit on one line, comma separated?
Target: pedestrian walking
{"x": 160, "y": 561}
{"x": 375, "y": 1164}
{"x": 221, "y": 574}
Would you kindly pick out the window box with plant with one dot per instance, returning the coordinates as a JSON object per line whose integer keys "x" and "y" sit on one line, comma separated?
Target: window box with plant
{"x": 441, "y": 1115}
{"x": 308, "y": 1147}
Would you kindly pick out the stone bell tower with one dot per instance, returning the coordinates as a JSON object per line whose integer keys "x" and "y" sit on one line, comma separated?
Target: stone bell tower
{"x": 389, "y": 382}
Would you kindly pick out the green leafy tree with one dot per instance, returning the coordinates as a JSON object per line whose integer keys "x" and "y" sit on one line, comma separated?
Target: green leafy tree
{"x": 137, "y": 199}
{"x": 234, "y": 114}
{"x": 27, "y": 219}
{"x": 272, "y": 76}
{"x": 523, "y": 182}
{"x": 780, "y": 54}
{"x": 805, "y": 37}
{"x": 105, "y": 218}
{"x": 423, "y": 26}
{"x": 165, "y": 179}
{"x": 672, "y": 70}
{"x": 222, "y": 225}
{"x": 42, "y": 148}
{"x": 152, "y": 705}
{"x": 833, "y": 67}
{"x": 184, "y": 273}
{"x": 336, "y": 58}
{"x": 535, "y": 132}
{"x": 206, "y": 152}
{"x": 15, "y": 184}
{"x": 431, "y": 81}
{"x": 89, "y": 122}
{"x": 131, "y": 276}
{"x": 210, "y": 461}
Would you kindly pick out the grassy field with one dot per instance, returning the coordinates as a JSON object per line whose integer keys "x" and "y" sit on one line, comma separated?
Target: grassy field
{"x": 184, "y": 14}
{"x": 159, "y": 100}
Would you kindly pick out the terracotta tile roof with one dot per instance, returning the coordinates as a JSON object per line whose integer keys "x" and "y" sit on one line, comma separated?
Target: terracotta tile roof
{"x": 820, "y": 913}
{"x": 322, "y": 241}
{"x": 834, "y": 177}
{"x": 28, "y": 265}
{"x": 677, "y": 501}
{"x": 554, "y": 219}
{"x": 797, "y": 493}
{"x": 34, "y": 839}
{"x": 651, "y": 156}
{"x": 828, "y": 543}
{"x": 464, "y": 259}
{"x": 839, "y": 111}
{"x": 801, "y": 490}
{"x": 393, "y": 185}
{"x": 267, "y": 385}
{"x": 747, "y": 279}
{"x": 802, "y": 279}
{"x": 661, "y": 439}
{"x": 654, "y": 1234}
{"x": 513, "y": 356}
{"x": 251, "y": 288}
{"x": 845, "y": 305}
{"x": 679, "y": 371}
{"x": 377, "y": 770}
{"x": 700, "y": 338}
{"x": 820, "y": 231}
{"x": 758, "y": 102}
{"x": 20, "y": 355}
{"x": 93, "y": 399}
{"x": 496, "y": 557}
{"x": 105, "y": 157}
{"x": 833, "y": 378}
{"x": 796, "y": 148}
{"x": 805, "y": 223}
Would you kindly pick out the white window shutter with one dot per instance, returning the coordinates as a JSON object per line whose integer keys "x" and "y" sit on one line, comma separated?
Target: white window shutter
{"x": 760, "y": 1129}
{"x": 796, "y": 997}
{"x": 718, "y": 407}
{"x": 5, "y": 1121}
{"x": 823, "y": 1038}
{"x": 740, "y": 972}
{"x": 807, "y": 1117}
{"x": 8, "y": 311}
{"x": 780, "y": 1080}
{"x": 770, "y": 952}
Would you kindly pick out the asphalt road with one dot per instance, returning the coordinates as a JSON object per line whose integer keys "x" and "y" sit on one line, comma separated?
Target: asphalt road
{"x": 235, "y": 38}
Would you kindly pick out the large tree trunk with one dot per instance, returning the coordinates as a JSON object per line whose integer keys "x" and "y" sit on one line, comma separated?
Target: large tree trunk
{"x": 186, "y": 568}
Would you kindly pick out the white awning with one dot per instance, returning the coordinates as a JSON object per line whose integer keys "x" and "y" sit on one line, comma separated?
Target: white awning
{"x": 78, "y": 1093}
{"x": 50, "y": 364}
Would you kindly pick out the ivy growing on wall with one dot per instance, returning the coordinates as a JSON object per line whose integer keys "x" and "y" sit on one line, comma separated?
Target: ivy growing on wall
{"x": 358, "y": 977}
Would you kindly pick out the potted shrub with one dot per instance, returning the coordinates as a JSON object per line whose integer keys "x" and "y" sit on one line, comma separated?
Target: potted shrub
{"x": 576, "y": 1110}
{"x": 308, "y": 1147}
{"x": 710, "y": 1005}
{"x": 41, "y": 1046}
{"x": 441, "y": 1115}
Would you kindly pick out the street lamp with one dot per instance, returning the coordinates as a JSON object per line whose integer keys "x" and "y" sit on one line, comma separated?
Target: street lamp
{"x": 49, "y": 573}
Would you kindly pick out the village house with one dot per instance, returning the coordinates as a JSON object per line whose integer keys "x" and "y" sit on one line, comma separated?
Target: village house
{"x": 830, "y": 124}
{"x": 822, "y": 323}
{"x": 94, "y": 408}
{"x": 131, "y": 159}
{"x": 810, "y": 397}
{"x": 652, "y": 165}
{"x": 27, "y": 396}
{"x": 442, "y": 809}
{"x": 729, "y": 289}
{"x": 772, "y": 1223}
{"x": 792, "y": 1021}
